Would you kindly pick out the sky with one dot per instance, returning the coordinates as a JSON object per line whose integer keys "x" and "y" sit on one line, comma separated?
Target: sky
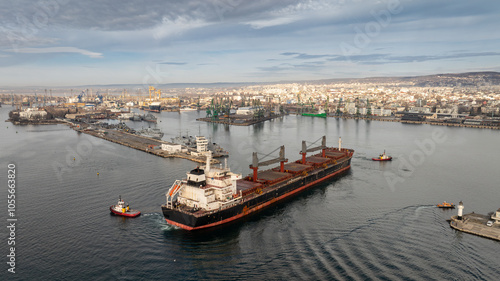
{"x": 57, "y": 43}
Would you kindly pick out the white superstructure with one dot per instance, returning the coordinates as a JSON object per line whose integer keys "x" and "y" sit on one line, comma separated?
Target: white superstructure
{"x": 207, "y": 188}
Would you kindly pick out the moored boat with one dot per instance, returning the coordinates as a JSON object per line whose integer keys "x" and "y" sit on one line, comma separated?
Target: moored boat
{"x": 382, "y": 157}
{"x": 186, "y": 108}
{"x": 149, "y": 118}
{"x": 153, "y": 133}
{"x": 321, "y": 113}
{"x": 120, "y": 209}
{"x": 214, "y": 196}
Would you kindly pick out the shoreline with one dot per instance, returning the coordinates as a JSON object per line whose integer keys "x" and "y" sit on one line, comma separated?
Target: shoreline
{"x": 418, "y": 122}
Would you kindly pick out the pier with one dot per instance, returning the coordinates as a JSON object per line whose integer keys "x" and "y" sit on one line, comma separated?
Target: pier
{"x": 476, "y": 224}
{"x": 428, "y": 122}
{"x": 148, "y": 145}
{"x": 481, "y": 225}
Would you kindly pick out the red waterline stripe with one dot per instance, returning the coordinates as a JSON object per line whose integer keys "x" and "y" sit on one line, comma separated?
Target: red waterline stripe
{"x": 254, "y": 209}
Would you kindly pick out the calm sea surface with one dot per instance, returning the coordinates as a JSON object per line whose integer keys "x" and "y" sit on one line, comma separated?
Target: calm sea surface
{"x": 376, "y": 222}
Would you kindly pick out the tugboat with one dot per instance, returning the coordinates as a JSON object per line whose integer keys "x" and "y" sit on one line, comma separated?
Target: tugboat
{"x": 446, "y": 205}
{"x": 121, "y": 209}
{"x": 382, "y": 157}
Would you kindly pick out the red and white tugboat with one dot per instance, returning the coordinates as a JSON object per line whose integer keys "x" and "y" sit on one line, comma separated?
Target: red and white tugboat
{"x": 446, "y": 205}
{"x": 121, "y": 209}
{"x": 382, "y": 157}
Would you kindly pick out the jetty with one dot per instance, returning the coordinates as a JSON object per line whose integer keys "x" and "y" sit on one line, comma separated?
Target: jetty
{"x": 148, "y": 145}
{"x": 477, "y": 224}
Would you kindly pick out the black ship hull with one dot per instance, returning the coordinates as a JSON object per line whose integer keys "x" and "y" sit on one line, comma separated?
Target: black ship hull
{"x": 273, "y": 194}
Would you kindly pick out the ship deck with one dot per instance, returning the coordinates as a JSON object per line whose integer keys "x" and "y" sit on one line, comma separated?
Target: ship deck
{"x": 246, "y": 186}
{"x": 272, "y": 176}
{"x": 317, "y": 160}
{"x": 334, "y": 154}
{"x": 296, "y": 168}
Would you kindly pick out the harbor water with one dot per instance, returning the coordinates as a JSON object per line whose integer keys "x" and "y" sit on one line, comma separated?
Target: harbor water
{"x": 378, "y": 221}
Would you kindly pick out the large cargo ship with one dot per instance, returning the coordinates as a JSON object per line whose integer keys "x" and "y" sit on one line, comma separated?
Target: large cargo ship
{"x": 213, "y": 196}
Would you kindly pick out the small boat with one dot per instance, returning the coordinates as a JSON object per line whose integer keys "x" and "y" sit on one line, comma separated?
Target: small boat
{"x": 121, "y": 209}
{"x": 186, "y": 108}
{"x": 446, "y": 205}
{"x": 382, "y": 157}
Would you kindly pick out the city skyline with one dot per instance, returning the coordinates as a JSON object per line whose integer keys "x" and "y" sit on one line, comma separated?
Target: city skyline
{"x": 68, "y": 43}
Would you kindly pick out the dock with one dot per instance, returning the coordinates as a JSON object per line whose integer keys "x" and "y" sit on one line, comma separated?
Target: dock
{"x": 148, "y": 145}
{"x": 428, "y": 122}
{"x": 476, "y": 224}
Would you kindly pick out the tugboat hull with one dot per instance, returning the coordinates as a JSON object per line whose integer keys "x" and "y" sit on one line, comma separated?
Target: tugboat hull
{"x": 129, "y": 213}
{"x": 378, "y": 159}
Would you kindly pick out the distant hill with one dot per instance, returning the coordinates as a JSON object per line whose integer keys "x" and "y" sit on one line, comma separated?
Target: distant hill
{"x": 468, "y": 79}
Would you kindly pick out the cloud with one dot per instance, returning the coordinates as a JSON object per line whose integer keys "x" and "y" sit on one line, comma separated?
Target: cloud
{"x": 295, "y": 67}
{"x": 173, "y": 63}
{"x": 304, "y": 56}
{"x": 258, "y": 24}
{"x": 56, "y": 50}
{"x": 227, "y": 39}
{"x": 174, "y": 27}
{"x": 377, "y": 59}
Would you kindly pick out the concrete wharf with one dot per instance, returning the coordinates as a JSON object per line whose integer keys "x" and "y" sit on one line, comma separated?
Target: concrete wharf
{"x": 476, "y": 224}
{"x": 148, "y": 145}
{"x": 428, "y": 122}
